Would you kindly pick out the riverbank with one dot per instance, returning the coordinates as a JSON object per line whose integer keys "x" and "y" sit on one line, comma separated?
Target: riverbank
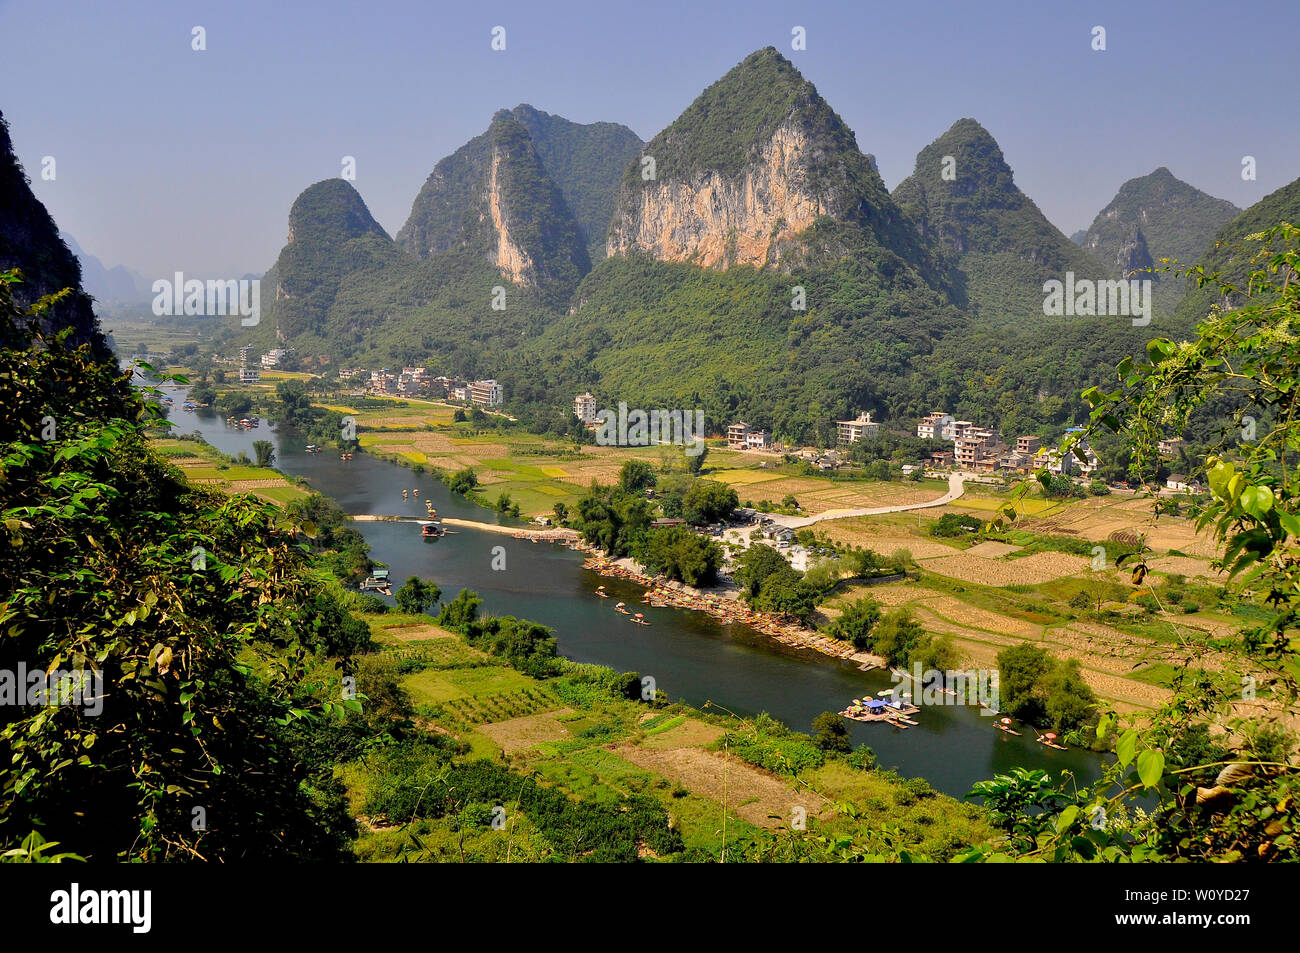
{"x": 724, "y": 605}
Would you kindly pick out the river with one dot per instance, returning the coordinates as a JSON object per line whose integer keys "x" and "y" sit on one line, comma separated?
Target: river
{"x": 692, "y": 656}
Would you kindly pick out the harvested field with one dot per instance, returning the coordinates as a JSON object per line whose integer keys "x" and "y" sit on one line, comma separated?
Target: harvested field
{"x": 517, "y": 734}
{"x": 1039, "y": 567}
{"x": 752, "y": 794}
{"x": 991, "y": 549}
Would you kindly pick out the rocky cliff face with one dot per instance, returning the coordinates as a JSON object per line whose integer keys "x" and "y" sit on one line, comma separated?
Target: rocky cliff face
{"x": 746, "y": 171}
{"x": 30, "y": 242}
{"x": 715, "y": 220}
{"x": 495, "y": 197}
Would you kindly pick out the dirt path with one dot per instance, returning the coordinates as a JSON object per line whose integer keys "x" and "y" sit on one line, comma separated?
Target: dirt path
{"x": 956, "y": 487}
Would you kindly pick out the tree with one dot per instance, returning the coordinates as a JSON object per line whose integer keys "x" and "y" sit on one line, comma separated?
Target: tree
{"x": 265, "y": 451}
{"x": 561, "y": 514}
{"x": 1069, "y": 703}
{"x": 708, "y": 501}
{"x": 198, "y": 662}
{"x": 757, "y": 563}
{"x": 461, "y": 613}
{"x": 897, "y": 635}
{"x": 695, "y": 460}
{"x": 415, "y": 595}
{"x": 462, "y": 481}
{"x": 635, "y": 476}
{"x": 830, "y": 733}
{"x": 856, "y": 622}
{"x": 1021, "y": 671}
{"x": 785, "y": 593}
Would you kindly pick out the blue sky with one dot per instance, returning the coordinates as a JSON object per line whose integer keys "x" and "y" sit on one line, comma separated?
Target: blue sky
{"x": 170, "y": 159}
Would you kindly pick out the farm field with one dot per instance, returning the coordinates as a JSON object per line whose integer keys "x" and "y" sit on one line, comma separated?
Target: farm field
{"x": 605, "y": 748}
{"x": 206, "y": 466}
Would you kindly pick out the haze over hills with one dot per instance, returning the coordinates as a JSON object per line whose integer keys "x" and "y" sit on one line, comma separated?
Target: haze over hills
{"x": 1153, "y": 217}
{"x": 118, "y": 284}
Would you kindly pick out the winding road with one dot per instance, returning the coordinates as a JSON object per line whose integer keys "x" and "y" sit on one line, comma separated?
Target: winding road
{"x": 956, "y": 487}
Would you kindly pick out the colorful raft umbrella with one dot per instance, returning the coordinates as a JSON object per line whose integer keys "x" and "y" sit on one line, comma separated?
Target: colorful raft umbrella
{"x": 1006, "y": 721}
{"x": 1050, "y": 736}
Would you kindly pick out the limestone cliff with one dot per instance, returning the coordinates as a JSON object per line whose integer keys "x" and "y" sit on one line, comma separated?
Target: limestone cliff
{"x": 746, "y": 171}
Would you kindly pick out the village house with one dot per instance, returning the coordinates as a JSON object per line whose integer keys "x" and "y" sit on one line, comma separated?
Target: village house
{"x": 851, "y": 431}
{"x": 1180, "y": 483}
{"x": 486, "y": 393}
{"x": 584, "y": 408}
{"x": 969, "y": 444}
{"x": 275, "y": 357}
{"x": 736, "y": 435}
{"x": 249, "y": 375}
{"x": 935, "y": 426}
{"x": 758, "y": 440}
{"x": 1028, "y": 444}
{"x": 1170, "y": 446}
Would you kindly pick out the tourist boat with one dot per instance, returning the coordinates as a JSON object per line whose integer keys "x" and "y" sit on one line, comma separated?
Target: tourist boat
{"x": 600, "y": 591}
{"x": 1049, "y": 739}
{"x": 312, "y": 448}
{"x": 1004, "y": 724}
{"x": 639, "y": 619}
{"x": 430, "y": 531}
{"x": 378, "y": 581}
{"x": 621, "y": 608}
{"x": 403, "y": 494}
{"x": 417, "y": 493}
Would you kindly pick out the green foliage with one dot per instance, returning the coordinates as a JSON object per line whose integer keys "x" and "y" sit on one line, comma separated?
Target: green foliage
{"x": 415, "y": 595}
{"x": 856, "y": 622}
{"x": 677, "y": 553}
{"x": 203, "y": 660}
{"x": 830, "y": 733}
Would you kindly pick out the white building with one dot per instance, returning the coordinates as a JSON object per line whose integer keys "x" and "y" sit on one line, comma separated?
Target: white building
{"x": 487, "y": 393}
{"x": 935, "y": 426}
{"x": 273, "y": 357}
{"x": 584, "y": 408}
{"x": 851, "y": 431}
{"x": 249, "y": 375}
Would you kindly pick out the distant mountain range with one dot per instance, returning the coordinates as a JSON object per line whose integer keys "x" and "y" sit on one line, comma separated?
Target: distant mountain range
{"x": 119, "y": 284}
{"x": 747, "y": 260}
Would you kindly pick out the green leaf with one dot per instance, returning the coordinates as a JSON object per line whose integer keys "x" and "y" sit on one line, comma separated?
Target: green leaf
{"x": 1151, "y": 767}
{"x": 1126, "y": 746}
{"x": 1066, "y": 818}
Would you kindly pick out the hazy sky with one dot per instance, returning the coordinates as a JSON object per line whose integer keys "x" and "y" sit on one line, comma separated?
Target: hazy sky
{"x": 171, "y": 159}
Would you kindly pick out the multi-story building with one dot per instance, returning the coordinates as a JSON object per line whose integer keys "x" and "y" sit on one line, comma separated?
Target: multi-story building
{"x": 736, "y": 435}
{"x": 935, "y": 426}
{"x": 584, "y": 408}
{"x": 275, "y": 356}
{"x": 758, "y": 440}
{"x": 969, "y": 445}
{"x": 1170, "y": 446}
{"x": 1028, "y": 444}
{"x": 862, "y": 426}
{"x": 486, "y": 393}
{"x": 246, "y": 353}
{"x": 249, "y": 375}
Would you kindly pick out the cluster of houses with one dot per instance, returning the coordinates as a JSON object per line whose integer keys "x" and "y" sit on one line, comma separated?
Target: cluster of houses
{"x": 741, "y": 436}
{"x": 418, "y": 382}
{"x": 979, "y": 449}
